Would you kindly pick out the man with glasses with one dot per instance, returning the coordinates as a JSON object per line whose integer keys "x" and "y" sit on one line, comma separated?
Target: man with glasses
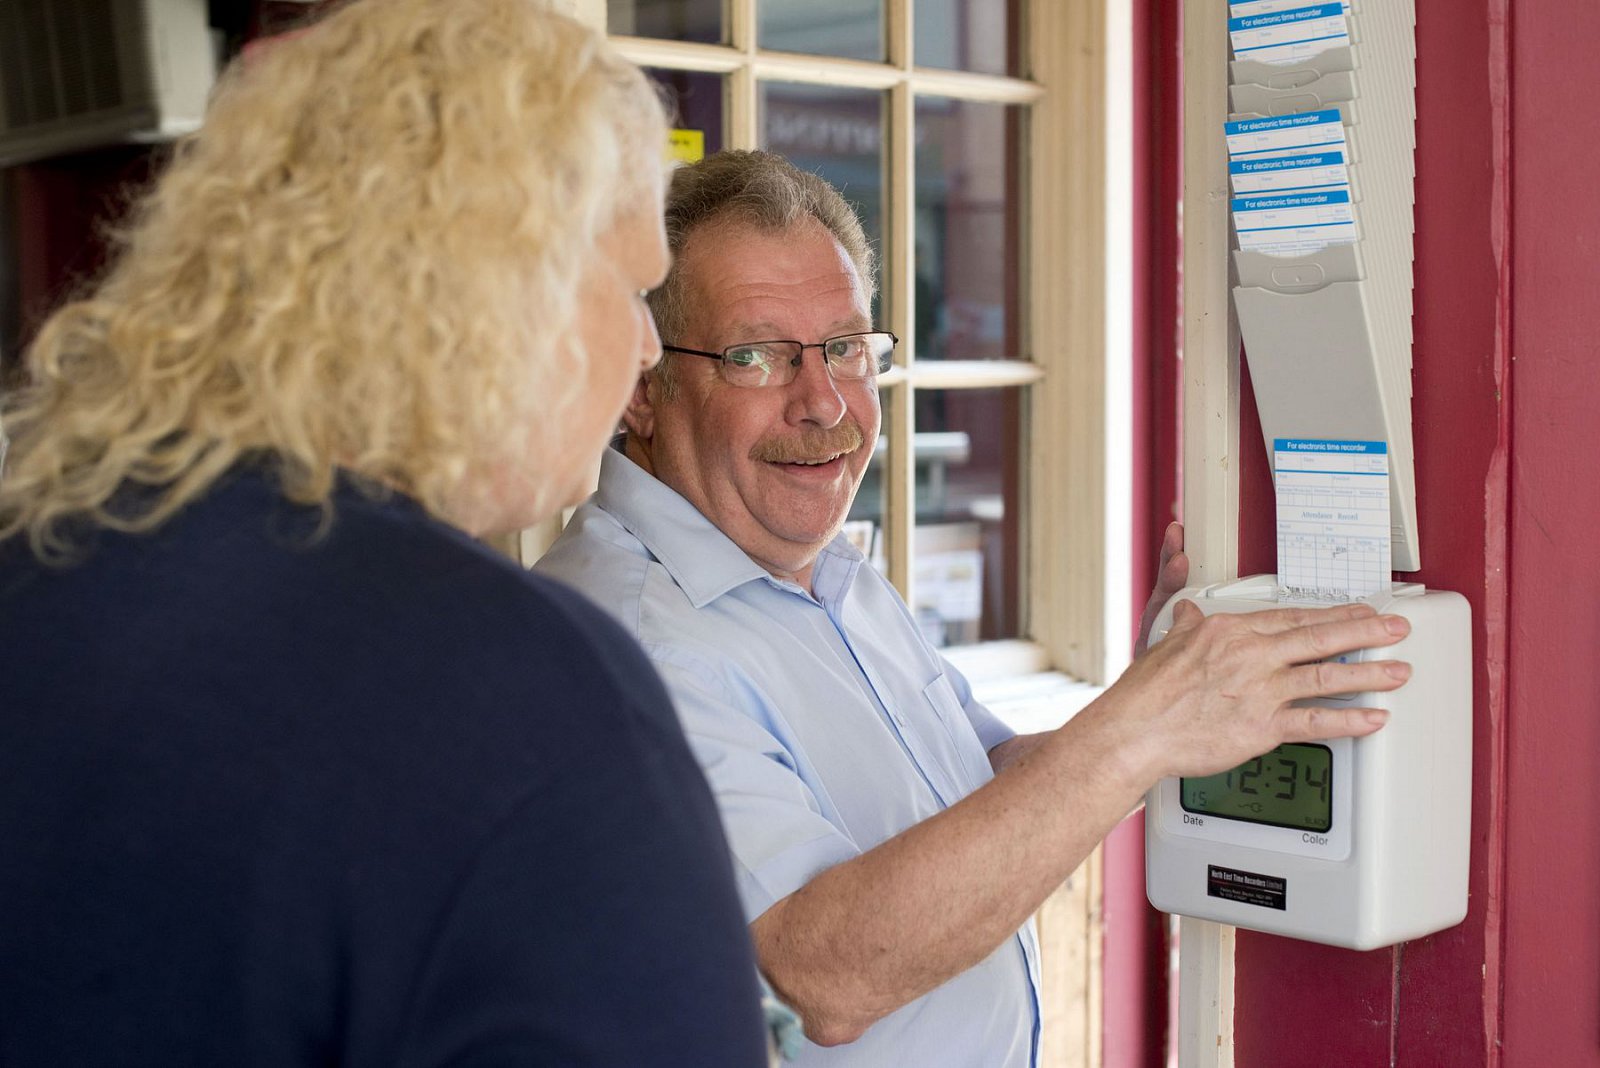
{"x": 891, "y": 837}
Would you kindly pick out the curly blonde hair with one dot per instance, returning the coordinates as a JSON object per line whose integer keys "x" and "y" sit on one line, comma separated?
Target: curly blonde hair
{"x": 367, "y": 259}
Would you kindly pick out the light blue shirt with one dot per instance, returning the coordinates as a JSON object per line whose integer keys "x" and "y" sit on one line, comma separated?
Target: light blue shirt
{"x": 825, "y": 723}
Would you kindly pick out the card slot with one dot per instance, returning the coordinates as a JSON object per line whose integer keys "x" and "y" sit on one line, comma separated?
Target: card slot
{"x": 1349, "y": 110}
{"x": 1334, "y": 89}
{"x": 1299, "y": 274}
{"x": 1320, "y": 370}
{"x": 1292, "y": 75}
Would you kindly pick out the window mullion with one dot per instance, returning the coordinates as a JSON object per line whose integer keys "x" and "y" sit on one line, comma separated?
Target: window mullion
{"x": 743, "y": 120}
{"x": 900, "y": 299}
{"x": 742, "y": 25}
{"x": 743, "y": 116}
{"x": 898, "y": 32}
{"x": 1067, "y": 249}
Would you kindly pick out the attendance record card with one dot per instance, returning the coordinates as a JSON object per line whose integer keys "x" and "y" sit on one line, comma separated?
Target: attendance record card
{"x": 1281, "y": 135}
{"x": 1333, "y": 519}
{"x": 1287, "y": 36}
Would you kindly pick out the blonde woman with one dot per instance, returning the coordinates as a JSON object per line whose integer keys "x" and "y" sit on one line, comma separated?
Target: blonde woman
{"x": 292, "y": 770}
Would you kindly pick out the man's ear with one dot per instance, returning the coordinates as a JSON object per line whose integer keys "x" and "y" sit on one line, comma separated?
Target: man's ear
{"x": 640, "y": 414}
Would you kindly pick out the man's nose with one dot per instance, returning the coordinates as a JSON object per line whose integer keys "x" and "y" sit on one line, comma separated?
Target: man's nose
{"x": 813, "y": 396}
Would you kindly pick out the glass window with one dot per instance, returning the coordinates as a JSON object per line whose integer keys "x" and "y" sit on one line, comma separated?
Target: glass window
{"x": 849, "y": 29}
{"x": 837, "y": 133}
{"x": 968, "y": 219}
{"x": 672, "y": 20}
{"x": 696, "y": 102}
{"x": 968, "y": 492}
{"x": 977, "y": 35}
{"x": 864, "y": 524}
{"x": 958, "y": 549}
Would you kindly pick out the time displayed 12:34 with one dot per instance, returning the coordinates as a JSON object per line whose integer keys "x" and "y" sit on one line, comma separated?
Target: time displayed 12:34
{"x": 1292, "y": 786}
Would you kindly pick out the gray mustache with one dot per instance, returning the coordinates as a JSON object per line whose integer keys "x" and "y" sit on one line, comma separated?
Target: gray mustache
{"x": 809, "y": 445}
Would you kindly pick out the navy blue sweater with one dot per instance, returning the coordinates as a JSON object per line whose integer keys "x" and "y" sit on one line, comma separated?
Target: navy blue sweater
{"x": 379, "y": 798}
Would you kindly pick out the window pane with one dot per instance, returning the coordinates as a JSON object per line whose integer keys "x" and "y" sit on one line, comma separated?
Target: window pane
{"x": 864, "y": 524}
{"x": 969, "y": 474}
{"x": 837, "y": 133}
{"x": 975, "y": 35}
{"x": 968, "y": 209}
{"x": 696, "y": 99}
{"x": 673, "y": 20}
{"x": 852, "y": 29}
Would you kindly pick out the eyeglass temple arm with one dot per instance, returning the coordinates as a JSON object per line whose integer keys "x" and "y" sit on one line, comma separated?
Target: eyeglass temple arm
{"x": 691, "y": 352}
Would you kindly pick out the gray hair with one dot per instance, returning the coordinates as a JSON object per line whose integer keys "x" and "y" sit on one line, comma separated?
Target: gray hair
{"x": 759, "y": 188}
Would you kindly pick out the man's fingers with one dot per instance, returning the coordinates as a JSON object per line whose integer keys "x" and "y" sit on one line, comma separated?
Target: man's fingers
{"x": 1186, "y": 614}
{"x": 1278, "y": 620}
{"x": 1173, "y": 576}
{"x": 1174, "y": 573}
{"x": 1171, "y": 543}
{"x": 1319, "y": 723}
{"x": 1333, "y": 636}
{"x": 1332, "y": 678}
{"x": 1312, "y": 633}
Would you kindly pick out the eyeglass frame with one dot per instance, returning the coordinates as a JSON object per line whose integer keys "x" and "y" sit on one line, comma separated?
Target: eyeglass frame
{"x": 722, "y": 357}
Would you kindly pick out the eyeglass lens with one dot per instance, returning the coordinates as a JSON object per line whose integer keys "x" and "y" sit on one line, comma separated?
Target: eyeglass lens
{"x": 763, "y": 363}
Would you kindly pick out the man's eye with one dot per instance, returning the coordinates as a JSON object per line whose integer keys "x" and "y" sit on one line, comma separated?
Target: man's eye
{"x": 844, "y": 348}
{"x": 746, "y": 358}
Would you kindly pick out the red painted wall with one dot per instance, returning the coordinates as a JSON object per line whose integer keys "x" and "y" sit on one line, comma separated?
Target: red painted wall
{"x": 1136, "y": 950}
{"x": 57, "y": 212}
{"x": 1551, "y": 972}
{"x": 1507, "y": 412}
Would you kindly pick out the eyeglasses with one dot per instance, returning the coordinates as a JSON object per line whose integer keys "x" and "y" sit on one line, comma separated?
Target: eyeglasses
{"x": 776, "y": 363}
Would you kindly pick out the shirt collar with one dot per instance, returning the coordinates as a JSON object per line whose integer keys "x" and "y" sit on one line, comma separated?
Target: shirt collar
{"x": 701, "y": 559}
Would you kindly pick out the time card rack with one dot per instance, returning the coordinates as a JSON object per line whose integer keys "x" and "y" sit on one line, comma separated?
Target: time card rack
{"x": 1321, "y": 151}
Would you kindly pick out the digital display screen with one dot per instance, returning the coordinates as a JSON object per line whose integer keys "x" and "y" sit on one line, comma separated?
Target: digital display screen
{"x": 1292, "y": 786}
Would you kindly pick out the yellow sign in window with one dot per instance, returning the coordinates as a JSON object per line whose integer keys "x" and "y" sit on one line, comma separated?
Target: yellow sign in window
{"x": 686, "y": 146}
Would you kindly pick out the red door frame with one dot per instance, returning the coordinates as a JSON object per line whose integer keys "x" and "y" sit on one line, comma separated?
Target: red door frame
{"x": 1136, "y": 945}
{"x": 1506, "y": 409}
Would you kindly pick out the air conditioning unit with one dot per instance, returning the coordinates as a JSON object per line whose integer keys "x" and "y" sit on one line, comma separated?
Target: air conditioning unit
{"x": 78, "y": 74}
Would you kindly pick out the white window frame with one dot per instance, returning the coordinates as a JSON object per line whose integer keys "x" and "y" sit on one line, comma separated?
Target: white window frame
{"x": 1077, "y": 495}
{"x": 1078, "y": 502}
{"x": 1211, "y": 385}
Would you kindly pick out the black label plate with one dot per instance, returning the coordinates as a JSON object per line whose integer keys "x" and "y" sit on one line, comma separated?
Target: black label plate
{"x": 1248, "y": 888}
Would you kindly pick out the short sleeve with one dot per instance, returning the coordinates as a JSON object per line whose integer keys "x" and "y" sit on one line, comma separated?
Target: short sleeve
{"x": 990, "y": 731}
{"x": 774, "y": 821}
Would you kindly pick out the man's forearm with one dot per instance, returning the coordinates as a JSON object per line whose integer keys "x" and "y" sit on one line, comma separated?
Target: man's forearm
{"x": 1011, "y": 750}
{"x": 874, "y": 933}
{"x": 870, "y": 935}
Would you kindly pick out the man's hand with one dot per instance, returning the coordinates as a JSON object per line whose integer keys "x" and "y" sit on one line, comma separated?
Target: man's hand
{"x": 1220, "y": 689}
{"x": 1215, "y": 692}
{"x": 1172, "y": 575}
